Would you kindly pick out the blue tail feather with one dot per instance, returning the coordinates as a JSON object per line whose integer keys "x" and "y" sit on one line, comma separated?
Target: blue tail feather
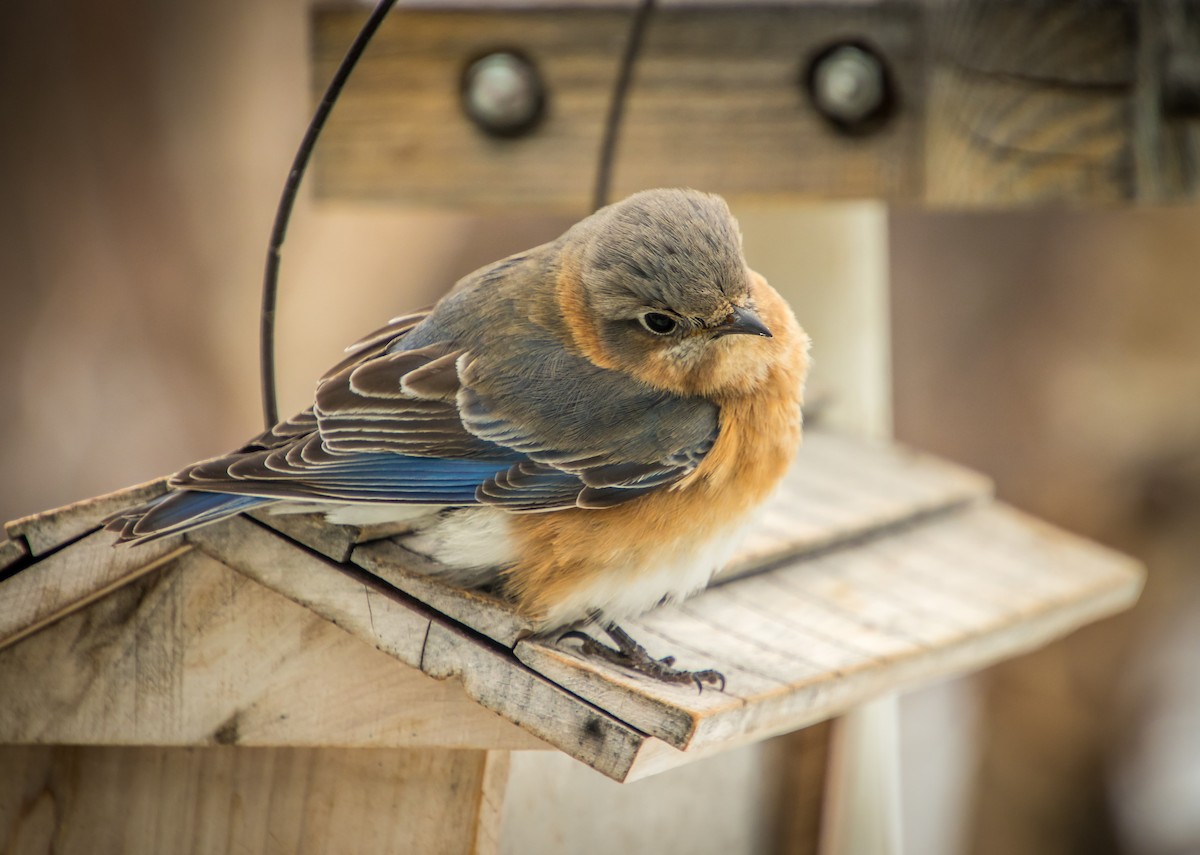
{"x": 178, "y": 512}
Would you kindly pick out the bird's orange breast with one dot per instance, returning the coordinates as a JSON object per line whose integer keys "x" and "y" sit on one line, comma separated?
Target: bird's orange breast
{"x": 563, "y": 553}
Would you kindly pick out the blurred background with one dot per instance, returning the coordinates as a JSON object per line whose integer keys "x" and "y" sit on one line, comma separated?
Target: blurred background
{"x": 141, "y": 158}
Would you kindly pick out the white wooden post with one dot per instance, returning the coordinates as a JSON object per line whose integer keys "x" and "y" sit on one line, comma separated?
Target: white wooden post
{"x": 831, "y": 262}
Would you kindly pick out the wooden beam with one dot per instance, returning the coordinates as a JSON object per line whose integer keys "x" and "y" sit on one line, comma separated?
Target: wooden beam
{"x": 808, "y": 640}
{"x": 839, "y": 489}
{"x": 49, "y": 530}
{"x": 717, "y": 103}
{"x": 420, "y": 637}
{"x": 11, "y": 551}
{"x": 198, "y": 654}
{"x": 996, "y": 104}
{"x": 72, "y": 578}
{"x": 1032, "y": 102}
{"x": 256, "y": 801}
{"x": 881, "y": 566}
{"x": 801, "y": 763}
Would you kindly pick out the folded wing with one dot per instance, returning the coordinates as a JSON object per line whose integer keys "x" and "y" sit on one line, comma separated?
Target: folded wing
{"x": 524, "y": 426}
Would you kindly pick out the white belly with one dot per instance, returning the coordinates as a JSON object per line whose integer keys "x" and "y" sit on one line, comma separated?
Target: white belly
{"x": 627, "y": 592}
{"x": 472, "y": 545}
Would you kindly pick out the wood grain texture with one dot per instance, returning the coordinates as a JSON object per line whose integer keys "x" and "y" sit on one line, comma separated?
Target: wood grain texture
{"x": 490, "y": 814}
{"x": 839, "y": 489}
{"x": 800, "y": 764}
{"x": 810, "y": 639}
{"x": 1031, "y": 103}
{"x": 73, "y": 577}
{"x": 492, "y": 616}
{"x": 716, "y": 103}
{"x": 1167, "y": 146}
{"x": 11, "y": 551}
{"x": 878, "y": 568}
{"x": 419, "y": 637}
{"x": 51, "y": 529}
{"x": 332, "y": 541}
{"x": 199, "y": 654}
{"x": 502, "y": 684}
{"x": 998, "y": 103}
{"x": 212, "y": 801}
{"x": 358, "y": 604}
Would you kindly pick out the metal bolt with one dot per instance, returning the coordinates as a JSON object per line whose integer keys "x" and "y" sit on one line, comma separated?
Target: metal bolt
{"x": 849, "y": 85}
{"x": 502, "y": 93}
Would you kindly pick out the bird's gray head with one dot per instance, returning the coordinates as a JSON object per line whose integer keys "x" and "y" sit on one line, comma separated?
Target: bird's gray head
{"x": 660, "y": 279}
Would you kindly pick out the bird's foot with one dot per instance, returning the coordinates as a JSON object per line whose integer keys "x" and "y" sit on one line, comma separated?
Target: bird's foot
{"x": 634, "y": 657}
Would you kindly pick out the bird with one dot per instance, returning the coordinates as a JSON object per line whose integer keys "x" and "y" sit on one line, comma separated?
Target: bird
{"x": 587, "y": 426}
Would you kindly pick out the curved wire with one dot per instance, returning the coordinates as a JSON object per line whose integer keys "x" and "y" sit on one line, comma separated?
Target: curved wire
{"x": 616, "y": 107}
{"x": 291, "y": 186}
{"x": 287, "y": 201}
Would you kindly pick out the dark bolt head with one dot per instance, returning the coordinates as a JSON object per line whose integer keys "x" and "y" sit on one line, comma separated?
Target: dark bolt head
{"x": 849, "y": 85}
{"x": 502, "y": 93}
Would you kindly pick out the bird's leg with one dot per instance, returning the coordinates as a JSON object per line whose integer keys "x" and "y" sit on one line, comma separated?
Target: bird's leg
{"x": 633, "y": 656}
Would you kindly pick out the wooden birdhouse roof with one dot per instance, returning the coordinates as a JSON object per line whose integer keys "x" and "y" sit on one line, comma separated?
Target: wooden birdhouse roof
{"x": 873, "y": 569}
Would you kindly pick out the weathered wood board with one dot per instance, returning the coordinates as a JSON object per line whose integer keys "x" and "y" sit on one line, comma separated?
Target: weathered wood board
{"x": 420, "y": 637}
{"x": 11, "y": 551}
{"x": 1034, "y": 102}
{"x": 251, "y": 801}
{"x": 874, "y": 568}
{"x": 72, "y": 577}
{"x": 50, "y": 530}
{"x": 358, "y": 604}
{"x": 994, "y": 103}
{"x": 486, "y": 614}
{"x": 838, "y": 489}
{"x": 399, "y": 131}
{"x": 199, "y": 654}
{"x": 806, "y": 640}
{"x": 332, "y": 541}
{"x": 841, "y": 487}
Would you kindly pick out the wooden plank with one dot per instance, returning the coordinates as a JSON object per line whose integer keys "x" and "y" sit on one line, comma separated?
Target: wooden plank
{"x": 260, "y": 801}
{"x": 49, "y": 530}
{"x": 493, "y": 678}
{"x": 11, "y": 551}
{"x": 955, "y": 586}
{"x": 717, "y": 103}
{"x": 997, "y": 103}
{"x": 904, "y": 613}
{"x": 414, "y": 574}
{"x": 801, "y": 767}
{"x": 357, "y": 604}
{"x": 199, "y": 654}
{"x": 840, "y": 488}
{"x": 73, "y": 577}
{"x": 333, "y": 541}
{"x": 505, "y": 686}
{"x": 1167, "y": 148}
{"x": 1031, "y": 103}
{"x": 488, "y": 821}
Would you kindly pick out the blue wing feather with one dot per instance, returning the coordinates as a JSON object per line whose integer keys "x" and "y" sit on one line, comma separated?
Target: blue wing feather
{"x": 415, "y": 416}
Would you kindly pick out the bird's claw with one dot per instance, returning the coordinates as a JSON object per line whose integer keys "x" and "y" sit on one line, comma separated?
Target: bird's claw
{"x": 634, "y": 657}
{"x": 710, "y": 677}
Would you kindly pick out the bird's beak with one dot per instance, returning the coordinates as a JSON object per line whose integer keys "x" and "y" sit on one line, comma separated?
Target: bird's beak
{"x": 742, "y": 321}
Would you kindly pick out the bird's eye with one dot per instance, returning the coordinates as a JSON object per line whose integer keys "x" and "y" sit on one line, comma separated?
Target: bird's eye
{"x": 658, "y": 323}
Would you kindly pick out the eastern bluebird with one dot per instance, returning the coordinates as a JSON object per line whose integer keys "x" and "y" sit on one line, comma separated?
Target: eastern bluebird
{"x": 587, "y": 425}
